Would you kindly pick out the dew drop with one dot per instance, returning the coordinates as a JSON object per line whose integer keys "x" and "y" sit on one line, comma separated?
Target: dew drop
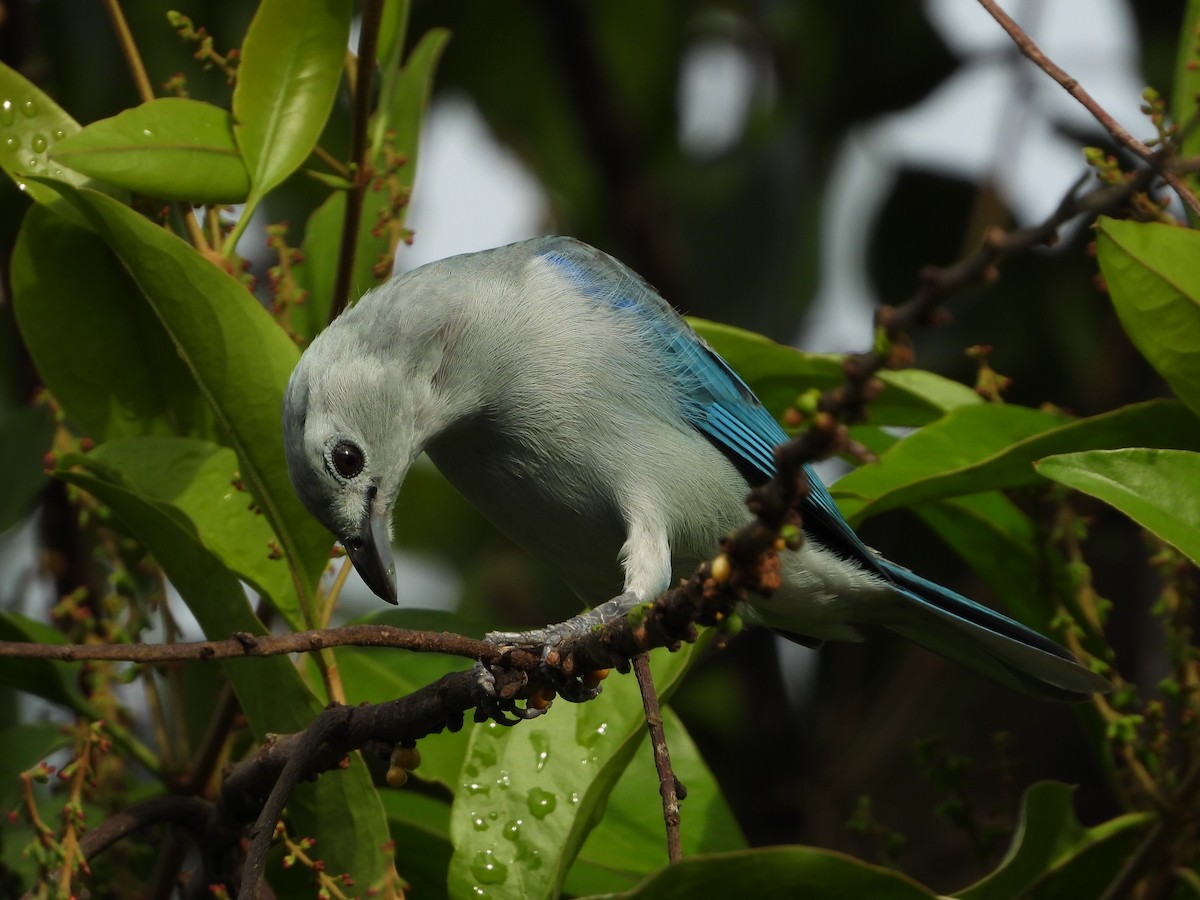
{"x": 531, "y": 860}
{"x": 12, "y": 144}
{"x": 541, "y": 749}
{"x": 478, "y": 822}
{"x": 146, "y": 132}
{"x": 487, "y": 869}
{"x": 7, "y": 113}
{"x": 29, "y": 109}
{"x": 33, "y": 163}
{"x": 58, "y": 134}
{"x": 474, "y": 787}
{"x": 20, "y": 185}
{"x": 39, "y": 144}
{"x": 541, "y": 803}
{"x": 512, "y": 829}
{"x": 503, "y": 780}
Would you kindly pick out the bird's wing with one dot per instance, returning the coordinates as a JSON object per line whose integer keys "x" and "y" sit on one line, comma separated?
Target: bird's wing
{"x": 713, "y": 398}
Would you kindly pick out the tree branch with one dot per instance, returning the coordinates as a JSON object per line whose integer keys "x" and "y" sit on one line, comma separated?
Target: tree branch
{"x": 1031, "y": 50}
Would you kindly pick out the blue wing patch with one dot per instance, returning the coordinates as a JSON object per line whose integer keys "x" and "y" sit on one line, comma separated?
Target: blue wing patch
{"x": 713, "y": 398}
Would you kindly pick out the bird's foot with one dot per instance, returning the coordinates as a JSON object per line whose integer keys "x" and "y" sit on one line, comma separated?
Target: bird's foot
{"x": 497, "y": 702}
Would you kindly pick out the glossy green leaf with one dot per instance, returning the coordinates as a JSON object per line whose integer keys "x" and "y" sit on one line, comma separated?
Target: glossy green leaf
{"x": 529, "y": 795}
{"x": 79, "y": 311}
{"x": 1052, "y": 855}
{"x": 1158, "y": 489}
{"x": 778, "y": 374}
{"x": 173, "y": 148}
{"x": 1151, "y": 273}
{"x": 992, "y": 447}
{"x": 238, "y": 357}
{"x": 31, "y": 125}
{"x": 630, "y": 841}
{"x": 25, "y": 435}
{"x": 48, "y": 679}
{"x": 342, "y": 810}
{"x": 288, "y": 77}
{"x": 200, "y": 479}
{"x": 801, "y": 872}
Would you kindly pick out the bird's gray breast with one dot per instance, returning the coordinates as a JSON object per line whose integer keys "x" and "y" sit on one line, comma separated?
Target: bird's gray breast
{"x": 542, "y": 497}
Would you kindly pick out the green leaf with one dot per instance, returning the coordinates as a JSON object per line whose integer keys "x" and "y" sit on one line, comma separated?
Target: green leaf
{"x": 1158, "y": 489}
{"x": 200, "y": 479}
{"x": 79, "y": 311}
{"x": 25, "y": 435}
{"x": 992, "y": 447}
{"x": 529, "y": 795}
{"x": 31, "y": 124}
{"x": 48, "y": 679}
{"x": 288, "y": 77}
{"x": 1052, "y": 855}
{"x": 1152, "y": 277}
{"x": 342, "y": 810}
{"x": 238, "y": 357}
{"x": 630, "y": 841}
{"x": 801, "y": 872}
{"x": 778, "y": 374}
{"x": 173, "y": 148}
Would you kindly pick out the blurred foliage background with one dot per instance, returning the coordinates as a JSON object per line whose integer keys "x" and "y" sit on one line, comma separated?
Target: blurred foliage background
{"x": 586, "y": 96}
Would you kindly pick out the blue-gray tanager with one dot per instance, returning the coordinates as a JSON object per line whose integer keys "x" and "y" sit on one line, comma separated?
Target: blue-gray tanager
{"x": 562, "y": 396}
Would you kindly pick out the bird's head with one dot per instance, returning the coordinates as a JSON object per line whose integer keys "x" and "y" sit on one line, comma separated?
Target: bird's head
{"x": 358, "y": 410}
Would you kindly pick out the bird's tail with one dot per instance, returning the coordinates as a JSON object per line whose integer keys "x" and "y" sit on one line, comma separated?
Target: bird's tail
{"x": 984, "y": 640}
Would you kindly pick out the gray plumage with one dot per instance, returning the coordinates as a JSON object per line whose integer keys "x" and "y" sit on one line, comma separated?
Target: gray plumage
{"x": 569, "y": 403}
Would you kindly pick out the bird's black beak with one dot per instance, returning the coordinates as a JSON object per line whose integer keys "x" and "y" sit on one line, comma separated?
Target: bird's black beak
{"x": 371, "y": 552}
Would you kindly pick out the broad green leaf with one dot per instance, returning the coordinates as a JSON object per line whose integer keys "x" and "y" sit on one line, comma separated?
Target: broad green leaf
{"x": 31, "y": 124}
{"x": 25, "y": 435}
{"x": 778, "y": 374}
{"x": 1158, "y": 489}
{"x": 1154, "y": 282}
{"x": 630, "y": 841}
{"x": 529, "y": 795}
{"x": 173, "y": 148}
{"x": 288, "y": 77}
{"x": 79, "y": 312}
{"x": 48, "y": 679}
{"x": 809, "y": 873}
{"x": 993, "y": 447}
{"x": 200, "y": 479}
{"x": 239, "y": 358}
{"x": 1051, "y": 851}
{"x": 21, "y": 748}
{"x": 342, "y": 810}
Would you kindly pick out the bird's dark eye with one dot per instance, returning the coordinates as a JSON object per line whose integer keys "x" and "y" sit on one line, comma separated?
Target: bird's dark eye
{"x": 347, "y": 459}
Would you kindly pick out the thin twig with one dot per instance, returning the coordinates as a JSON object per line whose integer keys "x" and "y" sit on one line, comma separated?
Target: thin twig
{"x": 668, "y": 786}
{"x": 360, "y": 165}
{"x": 243, "y": 645}
{"x": 1072, "y": 86}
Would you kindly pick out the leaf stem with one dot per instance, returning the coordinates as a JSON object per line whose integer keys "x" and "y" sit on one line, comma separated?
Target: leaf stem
{"x": 360, "y": 164}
